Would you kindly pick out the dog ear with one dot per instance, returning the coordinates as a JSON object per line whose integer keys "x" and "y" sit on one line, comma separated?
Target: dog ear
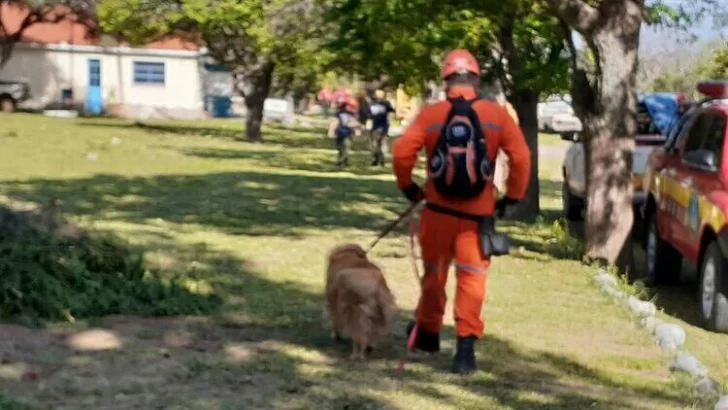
{"x": 347, "y": 249}
{"x": 360, "y": 252}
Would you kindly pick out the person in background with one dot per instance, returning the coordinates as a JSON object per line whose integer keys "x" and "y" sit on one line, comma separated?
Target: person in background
{"x": 379, "y": 111}
{"x": 338, "y": 97}
{"x": 324, "y": 99}
{"x": 343, "y": 127}
{"x": 364, "y": 101}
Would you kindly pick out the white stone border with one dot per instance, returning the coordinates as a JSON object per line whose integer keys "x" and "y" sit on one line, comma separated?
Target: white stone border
{"x": 668, "y": 337}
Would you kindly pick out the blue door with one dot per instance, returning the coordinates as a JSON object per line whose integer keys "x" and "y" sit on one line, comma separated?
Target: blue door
{"x": 94, "y": 100}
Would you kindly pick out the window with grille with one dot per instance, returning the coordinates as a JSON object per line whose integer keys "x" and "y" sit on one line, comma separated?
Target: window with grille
{"x": 148, "y": 73}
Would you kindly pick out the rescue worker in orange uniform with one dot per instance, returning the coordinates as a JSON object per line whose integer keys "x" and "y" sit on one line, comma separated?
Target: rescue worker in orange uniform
{"x": 461, "y": 136}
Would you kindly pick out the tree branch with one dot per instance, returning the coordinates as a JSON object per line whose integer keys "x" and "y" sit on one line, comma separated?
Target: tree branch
{"x": 578, "y": 14}
{"x": 569, "y": 41}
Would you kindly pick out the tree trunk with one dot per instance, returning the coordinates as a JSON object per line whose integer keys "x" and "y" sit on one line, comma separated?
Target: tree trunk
{"x": 525, "y": 102}
{"x": 526, "y": 105}
{"x": 608, "y": 111}
{"x": 258, "y": 84}
{"x": 7, "y": 46}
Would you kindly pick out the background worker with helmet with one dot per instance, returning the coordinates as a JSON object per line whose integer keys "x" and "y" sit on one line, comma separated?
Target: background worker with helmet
{"x": 462, "y": 136}
{"x": 343, "y": 127}
{"x": 379, "y": 111}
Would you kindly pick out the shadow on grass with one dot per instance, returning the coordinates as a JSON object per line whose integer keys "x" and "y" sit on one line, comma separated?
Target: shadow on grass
{"x": 269, "y": 350}
{"x": 239, "y": 203}
{"x": 295, "y": 137}
{"x": 314, "y": 161}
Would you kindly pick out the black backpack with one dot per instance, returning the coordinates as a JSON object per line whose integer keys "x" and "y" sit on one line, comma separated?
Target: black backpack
{"x": 460, "y": 167}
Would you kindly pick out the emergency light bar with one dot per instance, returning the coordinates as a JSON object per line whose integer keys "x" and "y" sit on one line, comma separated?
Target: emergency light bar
{"x": 715, "y": 89}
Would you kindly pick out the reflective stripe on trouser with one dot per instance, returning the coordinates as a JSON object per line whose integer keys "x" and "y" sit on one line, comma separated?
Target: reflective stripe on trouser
{"x": 444, "y": 238}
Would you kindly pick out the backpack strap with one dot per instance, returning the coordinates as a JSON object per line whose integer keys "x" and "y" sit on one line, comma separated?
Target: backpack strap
{"x": 463, "y": 107}
{"x": 460, "y": 106}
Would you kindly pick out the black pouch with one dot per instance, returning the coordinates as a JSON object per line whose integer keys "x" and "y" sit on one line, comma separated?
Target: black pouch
{"x": 493, "y": 243}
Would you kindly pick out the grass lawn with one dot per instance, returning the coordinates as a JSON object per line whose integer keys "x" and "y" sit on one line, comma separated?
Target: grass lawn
{"x": 254, "y": 222}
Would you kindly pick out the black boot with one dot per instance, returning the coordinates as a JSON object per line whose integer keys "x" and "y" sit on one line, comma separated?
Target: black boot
{"x": 464, "y": 361}
{"x": 425, "y": 341}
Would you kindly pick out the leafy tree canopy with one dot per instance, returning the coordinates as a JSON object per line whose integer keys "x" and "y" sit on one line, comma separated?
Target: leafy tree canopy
{"x": 405, "y": 40}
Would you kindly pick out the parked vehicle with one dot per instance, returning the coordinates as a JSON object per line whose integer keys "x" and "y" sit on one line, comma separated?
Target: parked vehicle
{"x": 686, "y": 209}
{"x": 556, "y": 115}
{"x": 13, "y": 93}
{"x": 656, "y": 114}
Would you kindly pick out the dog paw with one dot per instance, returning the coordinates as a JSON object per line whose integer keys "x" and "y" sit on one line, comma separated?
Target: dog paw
{"x": 357, "y": 357}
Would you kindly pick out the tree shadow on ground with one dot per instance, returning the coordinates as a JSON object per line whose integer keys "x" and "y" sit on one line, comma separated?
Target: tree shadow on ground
{"x": 269, "y": 350}
{"x": 314, "y": 161}
{"x": 295, "y": 137}
{"x": 240, "y": 203}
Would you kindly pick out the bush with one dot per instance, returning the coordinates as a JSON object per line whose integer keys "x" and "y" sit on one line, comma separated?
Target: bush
{"x": 46, "y": 275}
{"x": 561, "y": 244}
{"x": 8, "y": 403}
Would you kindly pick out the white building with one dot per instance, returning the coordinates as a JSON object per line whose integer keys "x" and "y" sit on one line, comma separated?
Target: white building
{"x": 166, "y": 78}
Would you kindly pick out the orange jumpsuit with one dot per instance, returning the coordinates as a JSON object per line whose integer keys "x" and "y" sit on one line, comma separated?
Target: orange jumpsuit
{"x": 444, "y": 237}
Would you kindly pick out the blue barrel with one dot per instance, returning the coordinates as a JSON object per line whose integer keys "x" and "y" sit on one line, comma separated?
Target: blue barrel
{"x": 221, "y": 106}
{"x": 94, "y": 100}
{"x": 218, "y": 106}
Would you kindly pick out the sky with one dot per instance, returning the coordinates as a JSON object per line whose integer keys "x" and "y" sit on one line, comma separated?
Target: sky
{"x": 656, "y": 39}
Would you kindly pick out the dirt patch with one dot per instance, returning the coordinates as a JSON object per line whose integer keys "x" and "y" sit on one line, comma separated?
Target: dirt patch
{"x": 132, "y": 362}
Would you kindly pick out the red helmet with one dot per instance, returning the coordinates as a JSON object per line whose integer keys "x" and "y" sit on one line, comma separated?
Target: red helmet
{"x": 459, "y": 62}
{"x": 351, "y": 104}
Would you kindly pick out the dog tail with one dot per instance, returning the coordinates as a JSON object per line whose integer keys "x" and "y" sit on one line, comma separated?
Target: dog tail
{"x": 380, "y": 309}
{"x": 386, "y": 305}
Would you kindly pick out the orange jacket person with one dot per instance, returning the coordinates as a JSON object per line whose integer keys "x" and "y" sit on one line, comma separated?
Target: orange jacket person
{"x": 461, "y": 136}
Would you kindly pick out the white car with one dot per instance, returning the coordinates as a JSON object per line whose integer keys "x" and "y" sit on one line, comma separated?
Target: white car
{"x": 648, "y": 138}
{"x": 574, "y": 172}
{"x": 557, "y": 115}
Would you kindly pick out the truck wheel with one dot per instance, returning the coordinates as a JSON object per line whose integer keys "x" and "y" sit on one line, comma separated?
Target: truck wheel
{"x": 7, "y": 105}
{"x": 573, "y": 205}
{"x": 713, "y": 295}
{"x": 663, "y": 262}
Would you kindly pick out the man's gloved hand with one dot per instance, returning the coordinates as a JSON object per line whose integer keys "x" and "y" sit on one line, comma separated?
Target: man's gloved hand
{"x": 414, "y": 193}
{"x": 502, "y": 205}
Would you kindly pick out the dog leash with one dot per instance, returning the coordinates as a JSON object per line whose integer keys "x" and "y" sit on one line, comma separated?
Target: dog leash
{"x": 413, "y": 232}
{"x": 413, "y": 335}
{"x": 393, "y": 224}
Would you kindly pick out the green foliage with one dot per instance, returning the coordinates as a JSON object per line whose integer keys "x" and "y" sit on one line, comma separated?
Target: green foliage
{"x": 404, "y": 41}
{"x": 8, "y": 403}
{"x": 713, "y": 65}
{"x": 717, "y": 67}
{"x": 683, "y": 15}
{"x": 563, "y": 245}
{"x": 47, "y": 276}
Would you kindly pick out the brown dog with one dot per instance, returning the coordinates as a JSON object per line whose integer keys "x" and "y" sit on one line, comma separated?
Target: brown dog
{"x": 358, "y": 299}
